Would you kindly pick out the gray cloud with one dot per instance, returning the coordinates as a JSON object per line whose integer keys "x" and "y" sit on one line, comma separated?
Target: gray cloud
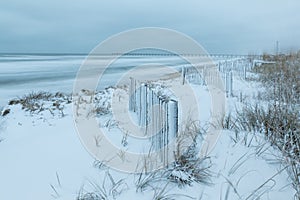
{"x": 77, "y": 26}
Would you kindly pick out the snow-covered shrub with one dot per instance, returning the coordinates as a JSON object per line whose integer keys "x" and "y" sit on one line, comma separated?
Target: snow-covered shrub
{"x": 188, "y": 166}
{"x": 36, "y": 102}
{"x": 100, "y": 99}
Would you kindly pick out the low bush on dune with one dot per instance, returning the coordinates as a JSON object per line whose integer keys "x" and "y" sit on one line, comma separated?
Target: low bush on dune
{"x": 36, "y": 102}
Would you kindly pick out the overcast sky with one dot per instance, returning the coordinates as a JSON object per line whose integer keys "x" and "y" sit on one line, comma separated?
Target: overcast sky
{"x": 77, "y": 26}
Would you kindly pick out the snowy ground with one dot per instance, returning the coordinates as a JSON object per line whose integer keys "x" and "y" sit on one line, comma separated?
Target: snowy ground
{"x": 41, "y": 157}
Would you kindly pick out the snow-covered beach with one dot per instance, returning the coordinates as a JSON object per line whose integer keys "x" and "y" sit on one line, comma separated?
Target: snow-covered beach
{"x": 41, "y": 155}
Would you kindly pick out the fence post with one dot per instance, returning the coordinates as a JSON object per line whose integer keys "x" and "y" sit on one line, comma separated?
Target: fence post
{"x": 203, "y": 75}
{"x": 160, "y": 130}
{"x": 173, "y": 118}
{"x": 138, "y": 93}
{"x": 132, "y": 93}
{"x": 143, "y": 105}
{"x": 164, "y": 132}
{"x": 172, "y": 121}
{"x": 245, "y": 72}
{"x": 183, "y": 74}
{"x": 230, "y": 83}
{"x": 226, "y": 83}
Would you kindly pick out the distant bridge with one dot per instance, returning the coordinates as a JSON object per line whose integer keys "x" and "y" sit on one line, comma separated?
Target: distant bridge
{"x": 254, "y": 56}
{"x": 188, "y": 55}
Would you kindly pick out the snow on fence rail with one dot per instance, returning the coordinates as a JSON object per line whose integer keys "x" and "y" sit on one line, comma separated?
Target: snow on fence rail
{"x": 157, "y": 114}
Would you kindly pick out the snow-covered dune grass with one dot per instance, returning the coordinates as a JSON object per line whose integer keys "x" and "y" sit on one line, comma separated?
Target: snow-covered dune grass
{"x": 54, "y": 163}
{"x": 36, "y": 102}
{"x": 256, "y": 156}
{"x": 275, "y": 114}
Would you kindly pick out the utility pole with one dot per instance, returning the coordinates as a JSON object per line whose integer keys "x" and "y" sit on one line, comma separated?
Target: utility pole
{"x": 277, "y": 48}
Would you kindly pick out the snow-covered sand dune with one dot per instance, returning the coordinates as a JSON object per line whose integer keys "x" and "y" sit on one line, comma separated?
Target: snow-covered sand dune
{"x": 41, "y": 156}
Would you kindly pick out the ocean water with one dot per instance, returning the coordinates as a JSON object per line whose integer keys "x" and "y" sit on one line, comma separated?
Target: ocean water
{"x": 22, "y": 74}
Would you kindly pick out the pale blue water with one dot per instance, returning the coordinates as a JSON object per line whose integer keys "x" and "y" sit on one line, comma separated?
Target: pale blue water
{"x": 21, "y": 74}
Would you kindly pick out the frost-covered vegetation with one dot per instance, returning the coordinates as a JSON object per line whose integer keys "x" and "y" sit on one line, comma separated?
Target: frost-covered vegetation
{"x": 276, "y": 113}
{"x": 36, "y": 102}
{"x": 265, "y": 121}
